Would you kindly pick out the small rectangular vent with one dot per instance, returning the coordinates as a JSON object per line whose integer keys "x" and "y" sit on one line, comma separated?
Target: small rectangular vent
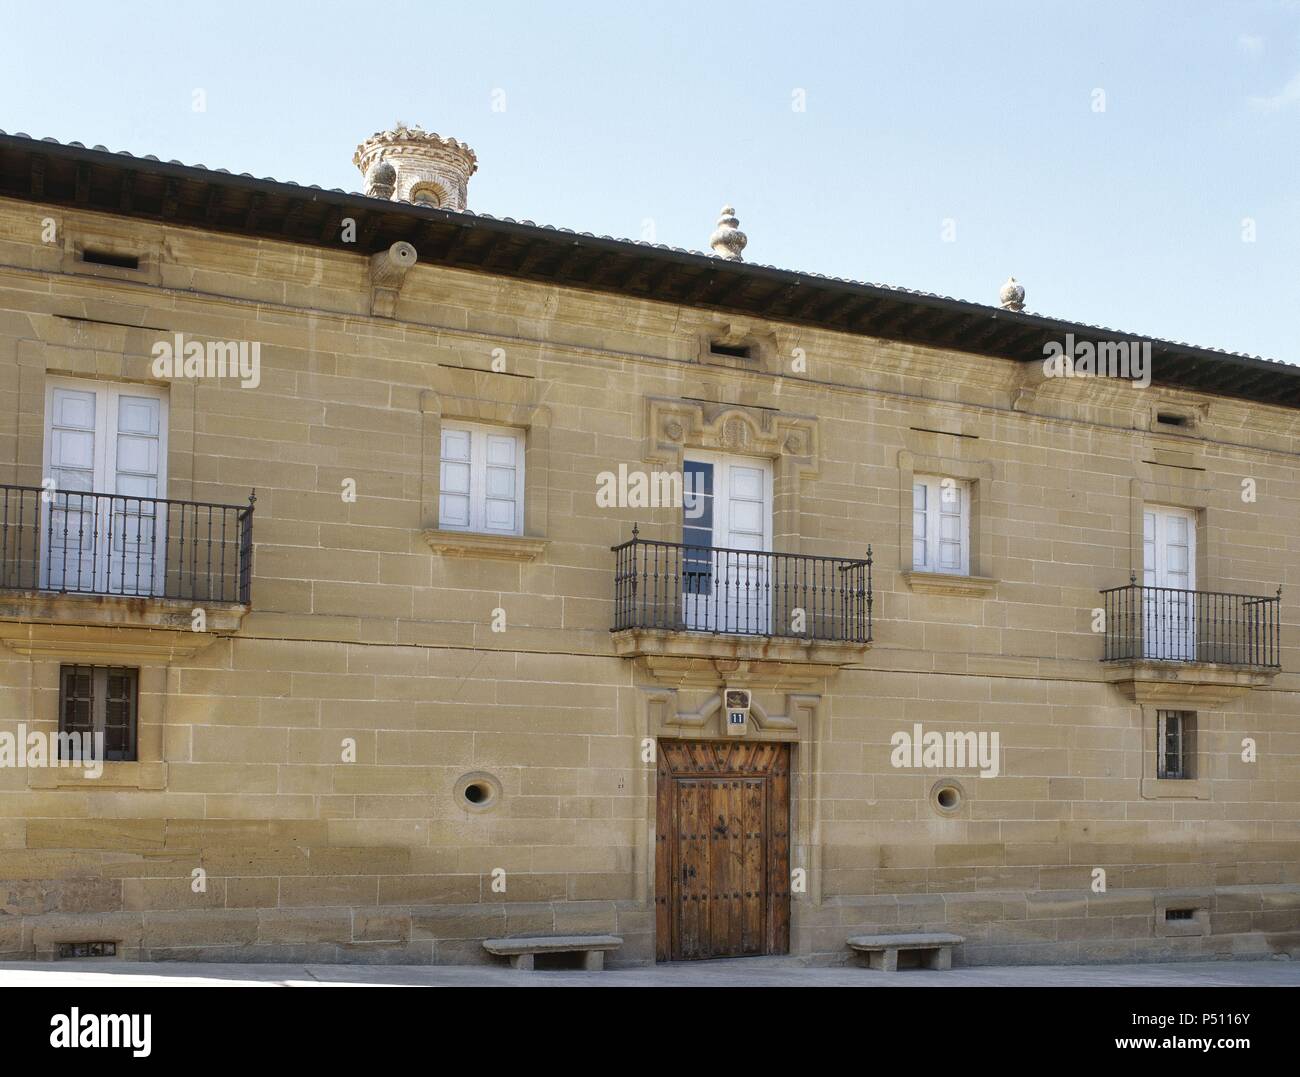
{"x": 1171, "y": 418}
{"x": 736, "y": 351}
{"x": 107, "y": 258}
{"x": 1180, "y": 914}
{"x": 86, "y": 949}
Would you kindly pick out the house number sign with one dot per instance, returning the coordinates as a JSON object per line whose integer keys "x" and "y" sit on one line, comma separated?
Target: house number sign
{"x": 737, "y": 710}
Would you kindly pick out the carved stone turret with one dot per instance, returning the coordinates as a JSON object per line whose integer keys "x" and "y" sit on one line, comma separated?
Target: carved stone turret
{"x": 408, "y": 164}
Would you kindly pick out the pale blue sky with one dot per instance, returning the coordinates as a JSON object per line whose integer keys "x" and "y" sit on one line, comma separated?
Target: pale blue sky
{"x": 982, "y": 113}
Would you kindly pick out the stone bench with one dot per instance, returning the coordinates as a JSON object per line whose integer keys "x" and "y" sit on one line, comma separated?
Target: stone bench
{"x": 882, "y": 950}
{"x": 522, "y": 951}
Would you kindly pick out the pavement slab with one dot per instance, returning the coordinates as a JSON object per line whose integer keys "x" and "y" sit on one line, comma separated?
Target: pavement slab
{"x": 747, "y": 972}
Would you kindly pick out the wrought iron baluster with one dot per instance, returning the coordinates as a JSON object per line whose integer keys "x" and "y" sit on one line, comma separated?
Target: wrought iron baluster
{"x": 208, "y": 583}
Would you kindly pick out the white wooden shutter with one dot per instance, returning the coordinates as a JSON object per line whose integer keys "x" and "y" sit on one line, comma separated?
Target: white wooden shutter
{"x": 76, "y": 446}
{"x": 453, "y": 500}
{"x": 748, "y": 510}
{"x": 105, "y": 439}
{"x": 941, "y": 525}
{"x": 1169, "y": 548}
{"x": 481, "y": 479}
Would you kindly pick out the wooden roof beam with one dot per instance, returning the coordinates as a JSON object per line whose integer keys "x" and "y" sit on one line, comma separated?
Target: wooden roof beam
{"x": 82, "y": 193}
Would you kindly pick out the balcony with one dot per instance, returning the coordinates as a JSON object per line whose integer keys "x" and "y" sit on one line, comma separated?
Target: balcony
{"x": 91, "y": 575}
{"x": 706, "y": 602}
{"x": 1164, "y": 644}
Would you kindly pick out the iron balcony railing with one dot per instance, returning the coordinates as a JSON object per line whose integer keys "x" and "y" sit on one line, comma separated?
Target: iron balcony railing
{"x": 1172, "y": 625}
{"x": 684, "y": 588}
{"x": 75, "y": 542}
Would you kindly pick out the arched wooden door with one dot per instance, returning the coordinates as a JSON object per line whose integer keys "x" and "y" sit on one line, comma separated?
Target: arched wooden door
{"x": 722, "y": 850}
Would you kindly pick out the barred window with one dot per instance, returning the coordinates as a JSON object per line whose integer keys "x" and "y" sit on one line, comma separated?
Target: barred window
{"x": 100, "y": 699}
{"x": 1175, "y": 744}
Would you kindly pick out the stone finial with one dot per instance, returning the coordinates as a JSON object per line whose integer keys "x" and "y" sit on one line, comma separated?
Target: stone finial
{"x": 1012, "y": 296}
{"x": 728, "y": 240}
{"x": 381, "y": 180}
{"x": 409, "y": 164}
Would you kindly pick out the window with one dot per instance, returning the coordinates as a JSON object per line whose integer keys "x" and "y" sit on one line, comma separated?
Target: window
{"x": 941, "y": 525}
{"x": 697, "y": 528}
{"x": 481, "y": 479}
{"x": 1175, "y": 744}
{"x": 108, "y": 258}
{"x": 1169, "y": 612}
{"x": 726, "y": 531}
{"x": 100, "y": 700}
{"x": 107, "y": 440}
{"x": 1166, "y": 417}
{"x": 427, "y": 194}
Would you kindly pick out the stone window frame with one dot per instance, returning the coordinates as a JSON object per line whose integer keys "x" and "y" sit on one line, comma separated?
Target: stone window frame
{"x": 658, "y": 716}
{"x": 1156, "y": 788}
{"x": 1181, "y": 490}
{"x": 104, "y": 358}
{"x": 790, "y": 441}
{"x": 760, "y": 340}
{"x": 488, "y": 398}
{"x": 77, "y": 239}
{"x": 1199, "y": 924}
{"x": 1193, "y": 416}
{"x": 148, "y": 771}
{"x": 979, "y": 581}
{"x": 434, "y": 188}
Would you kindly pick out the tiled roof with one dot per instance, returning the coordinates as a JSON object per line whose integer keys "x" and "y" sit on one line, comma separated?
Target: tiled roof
{"x": 547, "y": 252}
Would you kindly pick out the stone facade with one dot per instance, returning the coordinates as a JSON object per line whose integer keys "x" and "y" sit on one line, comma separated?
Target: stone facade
{"x": 372, "y": 624}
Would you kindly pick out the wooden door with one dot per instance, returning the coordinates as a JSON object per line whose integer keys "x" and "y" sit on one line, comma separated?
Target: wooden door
{"x": 722, "y": 857}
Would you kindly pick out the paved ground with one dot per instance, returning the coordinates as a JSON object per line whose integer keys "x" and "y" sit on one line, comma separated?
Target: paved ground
{"x": 752, "y": 972}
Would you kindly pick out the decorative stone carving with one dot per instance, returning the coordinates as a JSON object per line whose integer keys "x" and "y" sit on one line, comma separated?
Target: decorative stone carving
{"x": 675, "y": 424}
{"x": 728, "y": 240}
{"x": 1012, "y": 295}
{"x": 735, "y": 433}
{"x": 426, "y": 167}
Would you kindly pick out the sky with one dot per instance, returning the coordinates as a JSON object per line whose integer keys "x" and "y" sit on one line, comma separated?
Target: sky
{"x": 1133, "y": 164}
